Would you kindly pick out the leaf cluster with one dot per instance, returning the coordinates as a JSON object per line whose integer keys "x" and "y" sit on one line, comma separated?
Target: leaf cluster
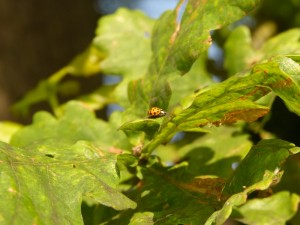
{"x": 196, "y": 165}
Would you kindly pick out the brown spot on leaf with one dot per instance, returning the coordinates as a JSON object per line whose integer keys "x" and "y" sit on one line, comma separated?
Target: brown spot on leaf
{"x": 206, "y": 185}
{"x": 261, "y": 91}
{"x": 208, "y": 40}
{"x": 248, "y": 115}
{"x": 282, "y": 84}
{"x": 115, "y": 150}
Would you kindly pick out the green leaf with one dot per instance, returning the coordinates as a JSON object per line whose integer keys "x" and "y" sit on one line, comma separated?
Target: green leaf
{"x": 125, "y": 37}
{"x": 144, "y": 218}
{"x": 258, "y": 171}
{"x": 87, "y": 63}
{"x": 268, "y": 155}
{"x": 45, "y": 91}
{"x": 196, "y": 79}
{"x": 282, "y": 76}
{"x": 68, "y": 157}
{"x": 77, "y": 123}
{"x": 211, "y": 154}
{"x": 7, "y": 130}
{"x": 47, "y": 187}
{"x": 176, "y": 45}
{"x": 234, "y": 99}
{"x": 171, "y": 196}
{"x": 149, "y": 126}
{"x": 274, "y": 210}
{"x": 99, "y": 98}
{"x": 284, "y": 43}
{"x": 240, "y": 54}
{"x": 239, "y": 51}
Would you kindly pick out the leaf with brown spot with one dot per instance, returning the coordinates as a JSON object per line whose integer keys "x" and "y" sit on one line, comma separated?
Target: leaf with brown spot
{"x": 182, "y": 41}
{"x": 206, "y": 185}
{"x": 248, "y": 115}
{"x": 234, "y": 99}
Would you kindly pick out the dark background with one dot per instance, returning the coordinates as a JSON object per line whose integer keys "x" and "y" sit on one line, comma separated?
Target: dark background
{"x": 36, "y": 39}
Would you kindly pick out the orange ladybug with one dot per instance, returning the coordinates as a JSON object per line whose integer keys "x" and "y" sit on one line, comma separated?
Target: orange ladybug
{"x": 156, "y": 112}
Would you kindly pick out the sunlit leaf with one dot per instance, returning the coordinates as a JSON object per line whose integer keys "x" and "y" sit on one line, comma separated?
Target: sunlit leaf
{"x": 235, "y": 99}
{"x": 177, "y": 43}
{"x": 239, "y": 51}
{"x": 86, "y": 63}
{"x": 125, "y": 38}
{"x": 7, "y": 130}
{"x": 179, "y": 40}
{"x": 77, "y": 123}
{"x": 240, "y": 54}
{"x": 274, "y": 210}
{"x": 99, "y": 98}
{"x": 40, "y": 186}
{"x": 149, "y": 126}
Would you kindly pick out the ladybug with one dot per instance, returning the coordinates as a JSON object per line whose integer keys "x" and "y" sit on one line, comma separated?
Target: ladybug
{"x": 156, "y": 112}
